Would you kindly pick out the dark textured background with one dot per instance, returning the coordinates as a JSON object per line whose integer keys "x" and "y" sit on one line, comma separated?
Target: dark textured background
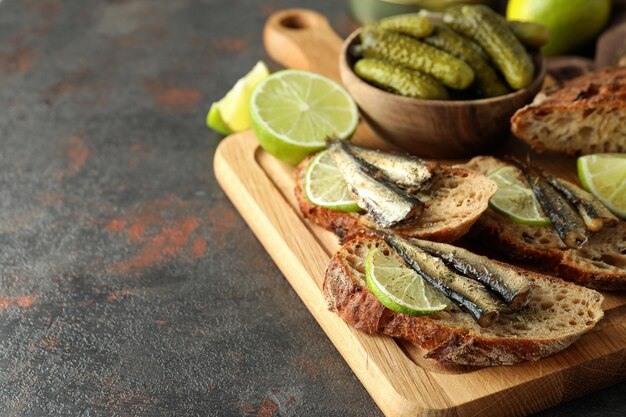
{"x": 128, "y": 283}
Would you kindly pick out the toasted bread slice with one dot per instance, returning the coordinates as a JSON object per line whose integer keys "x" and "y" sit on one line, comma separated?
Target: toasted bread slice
{"x": 600, "y": 264}
{"x": 557, "y": 315}
{"x": 581, "y": 116}
{"x": 453, "y": 203}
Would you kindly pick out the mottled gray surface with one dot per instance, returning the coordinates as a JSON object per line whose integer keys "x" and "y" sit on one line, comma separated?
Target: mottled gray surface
{"x": 129, "y": 285}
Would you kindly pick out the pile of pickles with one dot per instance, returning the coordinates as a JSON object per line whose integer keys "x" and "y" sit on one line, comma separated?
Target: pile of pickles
{"x": 469, "y": 52}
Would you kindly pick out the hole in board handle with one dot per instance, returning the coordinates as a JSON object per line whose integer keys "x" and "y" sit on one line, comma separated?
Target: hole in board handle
{"x": 294, "y": 21}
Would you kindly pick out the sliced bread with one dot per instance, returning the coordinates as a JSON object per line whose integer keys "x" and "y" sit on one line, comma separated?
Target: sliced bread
{"x": 581, "y": 116}
{"x": 453, "y": 203}
{"x": 557, "y": 315}
{"x": 599, "y": 264}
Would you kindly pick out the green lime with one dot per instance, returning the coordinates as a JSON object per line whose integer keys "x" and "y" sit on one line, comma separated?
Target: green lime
{"x": 515, "y": 199}
{"x": 572, "y": 23}
{"x": 399, "y": 288}
{"x": 215, "y": 122}
{"x": 232, "y": 113}
{"x": 324, "y": 185}
{"x": 294, "y": 112}
{"x": 604, "y": 176}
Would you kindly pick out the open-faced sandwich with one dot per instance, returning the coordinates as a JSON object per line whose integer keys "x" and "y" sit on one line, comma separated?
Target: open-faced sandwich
{"x": 349, "y": 189}
{"x": 463, "y": 309}
{"x": 577, "y": 239}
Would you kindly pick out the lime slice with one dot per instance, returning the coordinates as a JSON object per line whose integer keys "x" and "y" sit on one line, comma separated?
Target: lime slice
{"x": 293, "y": 112}
{"x": 232, "y": 113}
{"x": 515, "y": 199}
{"x": 399, "y": 288}
{"x": 604, "y": 176}
{"x": 324, "y": 185}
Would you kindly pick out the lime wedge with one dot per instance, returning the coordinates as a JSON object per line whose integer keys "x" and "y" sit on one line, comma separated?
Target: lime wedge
{"x": 293, "y": 112}
{"x": 604, "y": 176}
{"x": 215, "y": 122}
{"x": 324, "y": 185}
{"x": 515, "y": 199}
{"x": 232, "y": 113}
{"x": 399, "y": 288}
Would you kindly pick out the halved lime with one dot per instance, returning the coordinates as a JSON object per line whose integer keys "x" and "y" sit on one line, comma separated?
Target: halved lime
{"x": 515, "y": 199}
{"x": 232, "y": 113}
{"x": 604, "y": 176}
{"x": 324, "y": 185}
{"x": 293, "y": 112}
{"x": 399, "y": 288}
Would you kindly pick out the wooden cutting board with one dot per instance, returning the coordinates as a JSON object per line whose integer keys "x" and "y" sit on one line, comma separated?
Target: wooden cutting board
{"x": 397, "y": 377}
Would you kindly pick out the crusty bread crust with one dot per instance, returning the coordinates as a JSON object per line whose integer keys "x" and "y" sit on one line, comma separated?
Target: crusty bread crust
{"x": 600, "y": 264}
{"x": 581, "y": 116}
{"x": 454, "y": 202}
{"x": 558, "y": 314}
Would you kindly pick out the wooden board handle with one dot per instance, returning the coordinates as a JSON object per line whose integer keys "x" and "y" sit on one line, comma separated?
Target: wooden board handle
{"x": 303, "y": 39}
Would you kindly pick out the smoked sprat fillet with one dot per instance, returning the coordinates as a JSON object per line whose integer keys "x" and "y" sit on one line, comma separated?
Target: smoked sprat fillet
{"x": 406, "y": 171}
{"x": 581, "y": 116}
{"x": 476, "y": 299}
{"x": 595, "y": 215}
{"x": 557, "y": 314}
{"x": 386, "y": 204}
{"x": 565, "y": 220}
{"x": 507, "y": 283}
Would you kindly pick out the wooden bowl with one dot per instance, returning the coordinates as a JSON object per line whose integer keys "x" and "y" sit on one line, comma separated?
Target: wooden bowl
{"x": 303, "y": 39}
{"x": 436, "y": 128}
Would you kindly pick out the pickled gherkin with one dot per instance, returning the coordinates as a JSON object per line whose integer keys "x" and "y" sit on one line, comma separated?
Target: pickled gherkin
{"x": 487, "y": 82}
{"x": 530, "y": 34}
{"x": 410, "y": 24}
{"x": 400, "y": 80}
{"x": 491, "y": 32}
{"x": 404, "y": 50}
